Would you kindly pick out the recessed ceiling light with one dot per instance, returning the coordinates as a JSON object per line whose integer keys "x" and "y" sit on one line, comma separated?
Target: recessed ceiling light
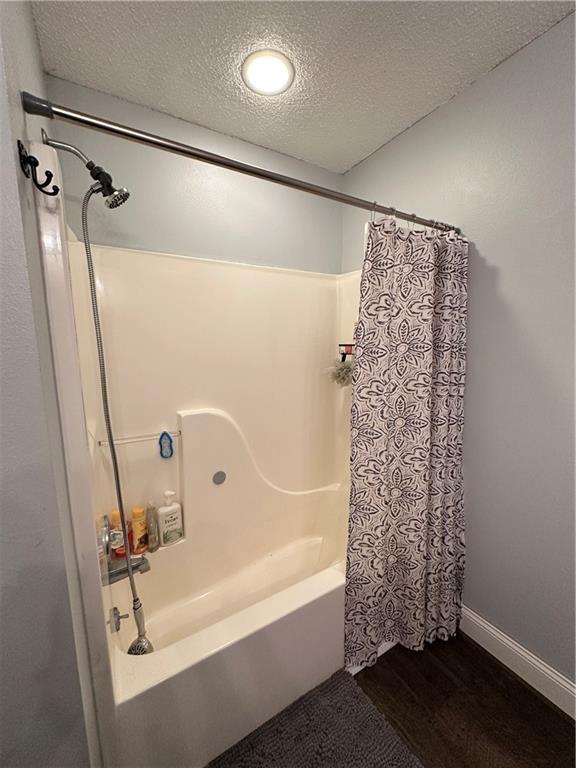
{"x": 268, "y": 72}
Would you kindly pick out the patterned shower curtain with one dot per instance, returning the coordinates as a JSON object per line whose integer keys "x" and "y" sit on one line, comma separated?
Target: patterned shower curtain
{"x": 406, "y": 532}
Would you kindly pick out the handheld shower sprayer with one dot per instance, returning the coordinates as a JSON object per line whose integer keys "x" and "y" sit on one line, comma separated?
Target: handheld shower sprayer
{"x": 141, "y": 644}
{"x": 113, "y": 197}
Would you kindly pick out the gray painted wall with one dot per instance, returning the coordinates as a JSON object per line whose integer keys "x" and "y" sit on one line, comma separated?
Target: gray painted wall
{"x": 185, "y": 207}
{"x": 498, "y": 162}
{"x": 41, "y": 718}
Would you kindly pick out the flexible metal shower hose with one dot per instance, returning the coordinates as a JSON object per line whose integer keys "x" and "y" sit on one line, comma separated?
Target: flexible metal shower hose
{"x": 95, "y": 188}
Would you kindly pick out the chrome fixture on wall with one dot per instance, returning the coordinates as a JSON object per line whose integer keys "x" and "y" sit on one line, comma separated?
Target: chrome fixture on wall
{"x": 113, "y": 197}
{"x": 116, "y": 569}
{"x": 119, "y": 569}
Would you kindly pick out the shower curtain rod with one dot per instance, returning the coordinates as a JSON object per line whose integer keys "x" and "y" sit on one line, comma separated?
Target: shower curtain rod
{"x": 34, "y": 105}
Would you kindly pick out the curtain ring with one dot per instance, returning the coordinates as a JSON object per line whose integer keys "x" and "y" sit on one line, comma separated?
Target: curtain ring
{"x": 373, "y": 212}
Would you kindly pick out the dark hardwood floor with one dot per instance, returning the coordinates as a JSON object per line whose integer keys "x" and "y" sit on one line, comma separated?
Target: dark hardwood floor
{"x": 458, "y": 707}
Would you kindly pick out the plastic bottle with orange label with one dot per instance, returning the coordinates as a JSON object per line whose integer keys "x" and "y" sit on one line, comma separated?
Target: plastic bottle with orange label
{"x": 139, "y": 531}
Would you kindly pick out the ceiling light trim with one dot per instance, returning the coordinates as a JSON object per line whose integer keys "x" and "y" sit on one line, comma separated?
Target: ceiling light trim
{"x": 268, "y": 72}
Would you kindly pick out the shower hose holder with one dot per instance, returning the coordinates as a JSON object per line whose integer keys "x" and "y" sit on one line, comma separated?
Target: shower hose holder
{"x": 29, "y": 165}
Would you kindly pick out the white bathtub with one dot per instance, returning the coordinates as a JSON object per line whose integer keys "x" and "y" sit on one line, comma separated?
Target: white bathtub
{"x": 221, "y": 671}
{"x": 246, "y": 614}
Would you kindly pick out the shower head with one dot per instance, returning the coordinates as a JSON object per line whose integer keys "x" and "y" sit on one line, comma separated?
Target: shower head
{"x": 141, "y": 645}
{"x": 114, "y": 198}
{"x": 117, "y": 198}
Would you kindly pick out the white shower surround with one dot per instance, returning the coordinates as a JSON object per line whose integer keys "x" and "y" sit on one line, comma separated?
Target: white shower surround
{"x": 250, "y": 605}
{"x": 184, "y": 333}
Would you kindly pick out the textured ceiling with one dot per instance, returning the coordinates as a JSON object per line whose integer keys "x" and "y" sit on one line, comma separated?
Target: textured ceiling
{"x": 365, "y": 71}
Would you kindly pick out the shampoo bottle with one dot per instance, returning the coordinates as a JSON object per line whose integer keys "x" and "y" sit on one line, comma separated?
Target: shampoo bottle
{"x": 170, "y": 520}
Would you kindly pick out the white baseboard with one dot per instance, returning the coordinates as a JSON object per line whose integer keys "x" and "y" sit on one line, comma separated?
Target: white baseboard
{"x": 541, "y": 676}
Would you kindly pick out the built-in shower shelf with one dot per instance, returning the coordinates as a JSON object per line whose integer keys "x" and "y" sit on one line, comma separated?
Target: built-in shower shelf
{"x": 138, "y": 438}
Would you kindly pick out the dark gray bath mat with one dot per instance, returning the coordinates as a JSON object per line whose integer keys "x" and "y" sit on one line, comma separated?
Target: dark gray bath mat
{"x": 334, "y": 726}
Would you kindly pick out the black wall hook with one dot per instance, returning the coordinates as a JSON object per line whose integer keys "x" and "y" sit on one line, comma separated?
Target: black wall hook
{"x": 29, "y": 164}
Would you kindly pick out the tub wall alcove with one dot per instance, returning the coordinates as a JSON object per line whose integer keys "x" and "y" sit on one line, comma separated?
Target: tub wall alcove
{"x": 246, "y": 613}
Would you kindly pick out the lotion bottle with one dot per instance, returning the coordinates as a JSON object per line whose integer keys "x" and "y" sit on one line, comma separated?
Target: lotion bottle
{"x": 170, "y": 520}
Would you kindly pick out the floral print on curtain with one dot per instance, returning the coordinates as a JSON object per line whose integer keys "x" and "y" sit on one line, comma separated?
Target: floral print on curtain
{"x": 406, "y": 532}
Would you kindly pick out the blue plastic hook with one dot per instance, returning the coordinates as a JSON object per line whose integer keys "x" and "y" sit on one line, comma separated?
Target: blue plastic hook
{"x": 166, "y": 445}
